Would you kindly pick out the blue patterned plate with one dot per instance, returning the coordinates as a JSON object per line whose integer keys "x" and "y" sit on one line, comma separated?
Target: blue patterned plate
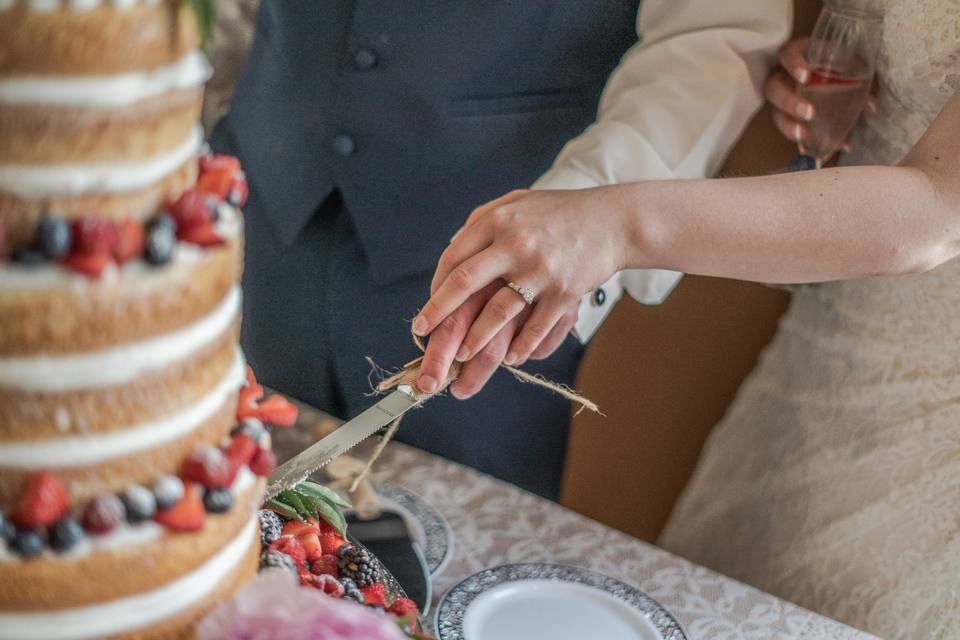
{"x": 428, "y": 527}
{"x": 522, "y": 601}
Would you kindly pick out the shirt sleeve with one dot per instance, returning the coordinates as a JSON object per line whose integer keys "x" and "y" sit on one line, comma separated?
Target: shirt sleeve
{"x": 673, "y": 108}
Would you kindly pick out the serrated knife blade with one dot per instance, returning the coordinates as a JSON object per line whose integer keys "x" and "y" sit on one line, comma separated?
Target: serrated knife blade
{"x": 347, "y": 436}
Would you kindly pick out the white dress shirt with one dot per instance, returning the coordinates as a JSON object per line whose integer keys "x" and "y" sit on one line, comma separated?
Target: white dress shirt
{"x": 673, "y": 108}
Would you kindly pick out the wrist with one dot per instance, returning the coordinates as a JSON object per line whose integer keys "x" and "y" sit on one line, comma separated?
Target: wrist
{"x": 638, "y": 225}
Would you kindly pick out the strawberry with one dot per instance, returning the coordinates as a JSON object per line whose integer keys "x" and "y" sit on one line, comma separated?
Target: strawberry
{"x": 219, "y": 163}
{"x": 191, "y": 209}
{"x": 208, "y": 466}
{"x": 311, "y": 544}
{"x": 263, "y": 462}
{"x": 203, "y": 235}
{"x": 278, "y": 411}
{"x": 43, "y": 503}
{"x": 403, "y": 607}
{"x": 253, "y": 386}
{"x": 375, "y": 594}
{"x": 216, "y": 183}
{"x": 131, "y": 240}
{"x": 90, "y": 264}
{"x": 297, "y": 528}
{"x": 242, "y": 449}
{"x": 186, "y": 515}
{"x": 330, "y": 541}
{"x": 325, "y": 564}
{"x": 93, "y": 235}
{"x": 291, "y": 546}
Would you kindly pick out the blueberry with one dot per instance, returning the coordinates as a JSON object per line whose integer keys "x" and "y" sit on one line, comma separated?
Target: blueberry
{"x": 252, "y": 428}
{"x": 140, "y": 503}
{"x": 29, "y": 257}
{"x": 53, "y": 237}
{"x": 217, "y": 500}
{"x": 167, "y": 490}
{"x": 27, "y": 542}
{"x": 65, "y": 533}
{"x": 161, "y": 239}
{"x": 7, "y": 530}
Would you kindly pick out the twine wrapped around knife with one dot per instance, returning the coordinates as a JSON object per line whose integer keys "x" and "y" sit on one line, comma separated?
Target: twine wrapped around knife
{"x": 411, "y": 371}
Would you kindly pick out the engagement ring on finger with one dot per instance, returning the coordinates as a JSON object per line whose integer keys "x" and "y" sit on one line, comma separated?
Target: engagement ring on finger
{"x": 527, "y": 295}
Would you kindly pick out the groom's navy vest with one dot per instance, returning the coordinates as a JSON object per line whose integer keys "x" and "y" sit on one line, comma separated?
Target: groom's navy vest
{"x": 416, "y": 111}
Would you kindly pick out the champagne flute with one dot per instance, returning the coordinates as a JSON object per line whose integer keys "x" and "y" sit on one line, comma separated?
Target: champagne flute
{"x": 842, "y": 56}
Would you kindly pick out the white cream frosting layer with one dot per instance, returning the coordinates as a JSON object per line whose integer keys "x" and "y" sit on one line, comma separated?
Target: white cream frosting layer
{"x": 138, "y": 611}
{"x": 46, "y": 6}
{"x": 104, "y": 91}
{"x": 119, "y": 364}
{"x": 78, "y": 451}
{"x": 40, "y": 181}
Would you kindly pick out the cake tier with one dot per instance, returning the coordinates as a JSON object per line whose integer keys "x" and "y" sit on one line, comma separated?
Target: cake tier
{"x": 111, "y": 189}
{"x": 156, "y": 590}
{"x": 86, "y": 38}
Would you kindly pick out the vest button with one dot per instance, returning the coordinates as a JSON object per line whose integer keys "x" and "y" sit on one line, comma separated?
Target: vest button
{"x": 599, "y": 297}
{"x": 364, "y": 60}
{"x": 343, "y": 145}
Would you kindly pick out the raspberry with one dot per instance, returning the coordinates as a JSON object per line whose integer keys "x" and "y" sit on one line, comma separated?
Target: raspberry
{"x": 242, "y": 449}
{"x": 374, "y": 594}
{"x": 325, "y": 564}
{"x": 131, "y": 240}
{"x": 103, "y": 514}
{"x": 43, "y": 502}
{"x": 328, "y": 584}
{"x": 263, "y": 462}
{"x": 94, "y": 235}
{"x": 186, "y": 515}
{"x": 192, "y": 209}
{"x": 291, "y": 546}
{"x": 403, "y": 607}
{"x": 208, "y": 466}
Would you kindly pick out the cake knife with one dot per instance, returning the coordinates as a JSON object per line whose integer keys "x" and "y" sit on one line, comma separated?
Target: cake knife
{"x": 296, "y": 469}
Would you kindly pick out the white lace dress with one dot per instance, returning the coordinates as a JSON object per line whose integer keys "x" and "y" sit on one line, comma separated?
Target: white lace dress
{"x": 834, "y": 480}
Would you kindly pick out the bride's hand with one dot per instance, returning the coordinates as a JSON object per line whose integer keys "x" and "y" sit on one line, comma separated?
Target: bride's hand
{"x": 557, "y": 244}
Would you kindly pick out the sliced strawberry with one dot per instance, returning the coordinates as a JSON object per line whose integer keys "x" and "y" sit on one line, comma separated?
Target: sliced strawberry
{"x": 297, "y": 528}
{"x": 202, "y": 235}
{"x": 186, "y": 515}
{"x": 93, "y": 235}
{"x": 219, "y": 163}
{"x": 242, "y": 449}
{"x": 131, "y": 240}
{"x": 291, "y": 546}
{"x": 89, "y": 264}
{"x": 215, "y": 183}
{"x": 325, "y": 564}
{"x": 252, "y": 385}
{"x": 403, "y": 607}
{"x": 43, "y": 503}
{"x": 209, "y": 467}
{"x": 311, "y": 544}
{"x": 375, "y": 594}
{"x": 263, "y": 462}
{"x": 278, "y": 411}
{"x": 331, "y": 541}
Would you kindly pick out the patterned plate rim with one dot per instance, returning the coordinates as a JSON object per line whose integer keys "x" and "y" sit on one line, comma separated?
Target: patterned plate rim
{"x": 438, "y": 537}
{"x": 448, "y": 617}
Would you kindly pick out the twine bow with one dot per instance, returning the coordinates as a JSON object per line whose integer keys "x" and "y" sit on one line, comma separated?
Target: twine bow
{"x": 411, "y": 371}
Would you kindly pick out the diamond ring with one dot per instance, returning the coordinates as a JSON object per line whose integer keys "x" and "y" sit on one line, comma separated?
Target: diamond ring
{"x": 527, "y": 295}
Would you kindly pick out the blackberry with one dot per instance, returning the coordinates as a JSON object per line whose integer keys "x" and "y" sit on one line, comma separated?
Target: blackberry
{"x": 359, "y": 565}
{"x": 27, "y": 542}
{"x": 53, "y": 237}
{"x": 140, "y": 503}
{"x": 65, "y": 534}
{"x": 277, "y": 560}
{"x": 271, "y": 527}
{"x": 7, "y": 530}
{"x": 217, "y": 500}
{"x": 167, "y": 490}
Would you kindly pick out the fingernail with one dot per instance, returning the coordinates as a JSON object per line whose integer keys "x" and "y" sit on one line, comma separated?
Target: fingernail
{"x": 510, "y": 360}
{"x": 456, "y": 393}
{"x": 805, "y": 111}
{"x": 427, "y": 384}
{"x": 797, "y": 134}
{"x": 463, "y": 354}
{"x": 420, "y": 325}
{"x": 802, "y": 75}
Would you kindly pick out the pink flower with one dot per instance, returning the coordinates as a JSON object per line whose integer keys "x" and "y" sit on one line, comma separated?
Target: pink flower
{"x": 275, "y": 606}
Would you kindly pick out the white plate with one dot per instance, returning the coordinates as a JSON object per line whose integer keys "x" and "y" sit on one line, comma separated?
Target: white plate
{"x": 527, "y": 601}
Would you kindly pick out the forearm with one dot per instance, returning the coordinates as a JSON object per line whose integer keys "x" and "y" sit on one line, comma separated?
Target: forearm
{"x": 790, "y": 228}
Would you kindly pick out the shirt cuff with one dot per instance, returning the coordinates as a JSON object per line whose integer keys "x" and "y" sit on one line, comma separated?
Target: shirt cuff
{"x": 595, "y": 307}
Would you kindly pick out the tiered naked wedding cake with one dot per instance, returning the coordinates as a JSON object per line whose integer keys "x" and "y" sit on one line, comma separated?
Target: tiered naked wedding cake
{"x": 128, "y": 494}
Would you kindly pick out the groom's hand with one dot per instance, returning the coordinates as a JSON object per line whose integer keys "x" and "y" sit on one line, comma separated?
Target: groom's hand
{"x": 446, "y": 340}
